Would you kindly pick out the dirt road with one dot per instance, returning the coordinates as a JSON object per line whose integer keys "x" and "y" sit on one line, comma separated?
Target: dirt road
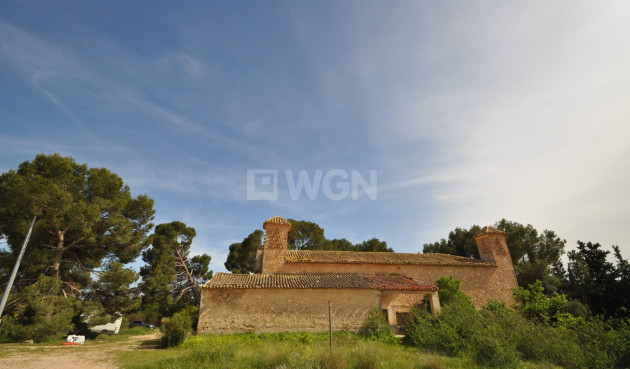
{"x": 94, "y": 356}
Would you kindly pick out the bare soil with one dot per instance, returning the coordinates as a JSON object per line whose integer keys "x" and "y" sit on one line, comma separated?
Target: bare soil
{"x": 96, "y": 355}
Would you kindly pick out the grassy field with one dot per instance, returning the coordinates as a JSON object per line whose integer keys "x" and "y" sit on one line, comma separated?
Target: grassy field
{"x": 139, "y": 348}
{"x": 294, "y": 350}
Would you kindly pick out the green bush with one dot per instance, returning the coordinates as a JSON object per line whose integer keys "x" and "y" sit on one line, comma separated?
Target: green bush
{"x": 491, "y": 351}
{"x": 450, "y": 290}
{"x": 178, "y": 328}
{"x": 376, "y": 327}
{"x": 533, "y": 341}
{"x": 535, "y": 305}
{"x": 500, "y": 337}
{"x": 40, "y": 313}
{"x": 448, "y": 334}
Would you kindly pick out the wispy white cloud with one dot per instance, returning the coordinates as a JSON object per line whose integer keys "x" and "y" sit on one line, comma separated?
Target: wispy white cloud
{"x": 546, "y": 129}
{"x": 494, "y": 110}
{"x": 471, "y": 111}
{"x": 50, "y": 67}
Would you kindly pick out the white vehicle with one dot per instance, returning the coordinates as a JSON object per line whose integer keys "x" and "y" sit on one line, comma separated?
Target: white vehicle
{"x": 109, "y": 328}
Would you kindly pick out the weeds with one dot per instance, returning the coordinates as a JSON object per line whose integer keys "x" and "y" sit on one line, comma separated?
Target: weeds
{"x": 287, "y": 350}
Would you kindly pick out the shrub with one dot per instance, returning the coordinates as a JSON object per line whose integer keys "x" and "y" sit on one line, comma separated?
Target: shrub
{"x": 491, "y": 351}
{"x": 534, "y": 342}
{"x": 450, "y": 290}
{"x": 376, "y": 327}
{"x": 449, "y": 334}
{"x": 40, "y": 313}
{"x": 535, "y": 305}
{"x": 177, "y": 328}
{"x": 500, "y": 337}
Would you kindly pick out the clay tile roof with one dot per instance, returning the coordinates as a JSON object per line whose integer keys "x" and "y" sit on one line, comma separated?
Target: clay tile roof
{"x": 380, "y": 282}
{"x": 353, "y": 257}
{"x": 277, "y": 220}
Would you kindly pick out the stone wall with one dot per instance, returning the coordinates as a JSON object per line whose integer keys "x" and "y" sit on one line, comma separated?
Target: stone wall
{"x": 224, "y": 311}
{"x": 479, "y": 282}
{"x": 237, "y": 310}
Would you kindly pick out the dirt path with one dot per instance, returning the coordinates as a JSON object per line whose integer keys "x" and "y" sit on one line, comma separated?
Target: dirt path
{"x": 97, "y": 356}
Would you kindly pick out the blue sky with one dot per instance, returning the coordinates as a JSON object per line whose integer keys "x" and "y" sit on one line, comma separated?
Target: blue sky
{"x": 467, "y": 112}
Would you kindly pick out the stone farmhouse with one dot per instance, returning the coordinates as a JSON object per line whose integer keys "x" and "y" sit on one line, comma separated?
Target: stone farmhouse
{"x": 290, "y": 290}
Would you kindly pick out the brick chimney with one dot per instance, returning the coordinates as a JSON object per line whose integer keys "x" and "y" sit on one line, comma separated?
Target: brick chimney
{"x": 276, "y": 244}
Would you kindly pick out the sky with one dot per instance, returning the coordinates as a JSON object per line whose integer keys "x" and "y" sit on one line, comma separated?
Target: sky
{"x": 400, "y": 120}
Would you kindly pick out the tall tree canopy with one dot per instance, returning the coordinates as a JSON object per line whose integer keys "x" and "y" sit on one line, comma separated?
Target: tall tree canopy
{"x": 84, "y": 216}
{"x": 603, "y": 286}
{"x": 460, "y": 242}
{"x": 113, "y": 289}
{"x": 171, "y": 279}
{"x": 372, "y": 245}
{"x": 242, "y": 255}
{"x": 536, "y": 256}
{"x": 305, "y": 235}
{"x": 338, "y": 244}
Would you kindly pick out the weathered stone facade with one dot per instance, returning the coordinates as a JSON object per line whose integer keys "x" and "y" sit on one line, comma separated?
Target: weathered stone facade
{"x": 285, "y": 302}
{"x": 290, "y": 289}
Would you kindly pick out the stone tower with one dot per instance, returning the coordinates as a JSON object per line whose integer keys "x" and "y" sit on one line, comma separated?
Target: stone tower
{"x": 276, "y": 244}
{"x": 493, "y": 247}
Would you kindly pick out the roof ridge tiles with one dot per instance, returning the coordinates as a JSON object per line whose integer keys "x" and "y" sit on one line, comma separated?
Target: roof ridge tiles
{"x": 362, "y": 257}
{"x": 317, "y": 281}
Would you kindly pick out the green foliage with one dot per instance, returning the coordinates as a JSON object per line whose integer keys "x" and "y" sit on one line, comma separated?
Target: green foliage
{"x": 535, "y": 255}
{"x": 171, "y": 279}
{"x": 148, "y": 313}
{"x": 286, "y": 350}
{"x": 332, "y": 359}
{"x": 452, "y": 331}
{"x": 92, "y": 313}
{"x": 576, "y": 309}
{"x": 338, "y": 244}
{"x": 490, "y": 351}
{"x": 450, "y": 290}
{"x": 432, "y": 334}
{"x": 596, "y": 282}
{"x": 305, "y": 235}
{"x": 365, "y": 358}
{"x": 242, "y": 255}
{"x": 39, "y": 313}
{"x": 460, "y": 242}
{"x": 376, "y": 327}
{"x": 113, "y": 289}
{"x": 590, "y": 277}
{"x": 179, "y": 327}
{"x": 535, "y": 305}
{"x": 500, "y": 337}
{"x": 84, "y": 215}
{"x": 372, "y": 245}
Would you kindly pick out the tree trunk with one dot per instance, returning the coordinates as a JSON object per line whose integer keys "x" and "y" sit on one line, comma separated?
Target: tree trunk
{"x": 191, "y": 279}
{"x": 58, "y": 254}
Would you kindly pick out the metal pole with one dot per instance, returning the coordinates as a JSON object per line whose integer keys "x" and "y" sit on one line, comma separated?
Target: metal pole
{"x": 15, "y": 268}
{"x": 330, "y": 324}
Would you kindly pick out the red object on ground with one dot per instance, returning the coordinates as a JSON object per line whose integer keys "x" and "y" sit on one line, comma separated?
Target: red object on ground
{"x": 71, "y": 343}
